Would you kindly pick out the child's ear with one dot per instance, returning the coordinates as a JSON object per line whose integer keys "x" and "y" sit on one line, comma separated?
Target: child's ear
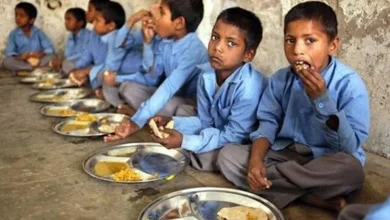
{"x": 32, "y": 20}
{"x": 111, "y": 26}
{"x": 334, "y": 46}
{"x": 179, "y": 23}
{"x": 249, "y": 55}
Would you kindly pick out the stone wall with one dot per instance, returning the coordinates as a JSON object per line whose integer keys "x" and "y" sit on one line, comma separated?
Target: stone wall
{"x": 364, "y": 32}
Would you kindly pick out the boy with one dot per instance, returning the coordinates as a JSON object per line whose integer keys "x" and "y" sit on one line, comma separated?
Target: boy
{"x": 96, "y": 50}
{"x": 75, "y": 22}
{"x": 179, "y": 51}
{"x": 229, "y": 90}
{"x": 28, "y": 46}
{"x": 314, "y": 118}
{"x": 110, "y": 18}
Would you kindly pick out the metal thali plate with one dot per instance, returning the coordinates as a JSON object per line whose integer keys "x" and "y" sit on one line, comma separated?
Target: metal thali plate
{"x": 60, "y": 95}
{"x": 86, "y": 128}
{"x": 72, "y": 108}
{"x": 151, "y": 159}
{"x": 54, "y": 84}
{"x": 38, "y": 79}
{"x": 204, "y": 204}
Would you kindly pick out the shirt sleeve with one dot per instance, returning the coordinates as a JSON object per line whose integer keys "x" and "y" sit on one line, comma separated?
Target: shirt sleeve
{"x": 270, "y": 113}
{"x": 380, "y": 211}
{"x": 185, "y": 70}
{"x": 114, "y": 56}
{"x": 11, "y": 45}
{"x": 240, "y": 122}
{"x": 353, "y": 116}
{"x": 46, "y": 43}
{"x": 85, "y": 59}
{"x": 147, "y": 57}
{"x": 128, "y": 38}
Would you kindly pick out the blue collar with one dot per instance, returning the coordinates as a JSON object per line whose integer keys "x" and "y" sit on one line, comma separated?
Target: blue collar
{"x": 107, "y": 36}
{"x": 19, "y": 30}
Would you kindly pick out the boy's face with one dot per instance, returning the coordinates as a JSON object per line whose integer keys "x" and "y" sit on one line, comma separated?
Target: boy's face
{"x": 306, "y": 42}
{"x": 21, "y": 18}
{"x": 161, "y": 14}
{"x": 91, "y": 13}
{"x": 70, "y": 22}
{"x": 100, "y": 26}
{"x": 227, "y": 47}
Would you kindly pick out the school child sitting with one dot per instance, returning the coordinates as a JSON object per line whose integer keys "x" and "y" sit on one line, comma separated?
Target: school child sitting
{"x": 229, "y": 90}
{"x": 27, "y": 46}
{"x": 313, "y": 120}
{"x": 175, "y": 23}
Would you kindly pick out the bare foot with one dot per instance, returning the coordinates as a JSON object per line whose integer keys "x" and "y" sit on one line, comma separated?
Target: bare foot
{"x": 125, "y": 109}
{"x": 99, "y": 94}
{"x": 333, "y": 204}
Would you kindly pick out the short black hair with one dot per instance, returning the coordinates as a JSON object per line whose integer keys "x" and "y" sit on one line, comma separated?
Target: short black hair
{"x": 29, "y": 8}
{"x": 191, "y": 10}
{"x": 316, "y": 11}
{"x": 98, "y": 3}
{"x": 247, "y": 22}
{"x": 113, "y": 12}
{"x": 79, "y": 14}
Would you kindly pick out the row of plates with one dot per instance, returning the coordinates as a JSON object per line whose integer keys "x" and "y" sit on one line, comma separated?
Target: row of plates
{"x": 150, "y": 161}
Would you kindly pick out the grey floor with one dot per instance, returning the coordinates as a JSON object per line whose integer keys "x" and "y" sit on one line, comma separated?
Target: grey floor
{"x": 42, "y": 176}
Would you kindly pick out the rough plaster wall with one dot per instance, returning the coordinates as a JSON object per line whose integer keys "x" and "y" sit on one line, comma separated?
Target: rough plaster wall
{"x": 364, "y": 32}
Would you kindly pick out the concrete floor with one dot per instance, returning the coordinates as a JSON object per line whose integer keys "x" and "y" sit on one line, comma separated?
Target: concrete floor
{"x": 42, "y": 176}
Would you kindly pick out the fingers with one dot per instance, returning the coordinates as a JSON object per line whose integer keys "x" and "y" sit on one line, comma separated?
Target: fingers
{"x": 112, "y": 138}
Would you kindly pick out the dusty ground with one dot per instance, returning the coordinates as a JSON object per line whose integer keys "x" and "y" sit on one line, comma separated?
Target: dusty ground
{"x": 42, "y": 176}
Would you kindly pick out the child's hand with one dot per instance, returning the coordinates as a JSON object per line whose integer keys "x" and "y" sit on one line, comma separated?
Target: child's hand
{"x": 174, "y": 139}
{"x": 162, "y": 120}
{"x": 110, "y": 78}
{"x": 257, "y": 175}
{"x": 313, "y": 82}
{"x": 79, "y": 76}
{"x": 136, "y": 17}
{"x": 37, "y": 54}
{"x": 148, "y": 30}
{"x": 55, "y": 64}
{"x": 123, "y": 130}
{"x": 24, "y": 56}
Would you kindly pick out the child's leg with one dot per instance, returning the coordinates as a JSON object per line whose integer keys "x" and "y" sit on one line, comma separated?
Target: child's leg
{"x": 294, "y": 175}
{"x": 205, "y": 161}
{"x": 134, "y": 93}
{"x": 111, "y": 95}
{"x": 44, "y": 61}
{"x": 187, "y": 109}
{"x": 354, "y": 212}
{"x": 14, "y": 64}
{"x": 67, "y": 66}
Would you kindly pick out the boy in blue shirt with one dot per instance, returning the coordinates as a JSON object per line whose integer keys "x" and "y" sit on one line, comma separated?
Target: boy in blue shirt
{"x": 313, "y": 119}
{"x": 96, "y": 51}
{"x": 178, "y": 53}
{"x": 110, "y": 18}
{"x": 27, "y": 42}
{"x": 77, "y": 42}
{"x": 229, "y": 90}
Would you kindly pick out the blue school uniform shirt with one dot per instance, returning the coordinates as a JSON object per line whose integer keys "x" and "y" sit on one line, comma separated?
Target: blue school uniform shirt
{"x": 379, "y": 212}
{"x": 147, "y": 74}
{"x": 225, "y": 115}
{"x": 287, "y": 115}
{"x": 176, "y": 61}
{"x": 19, "y": 43}
{"x": 95, "y": 53}
{"x": 77, "y": 44}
